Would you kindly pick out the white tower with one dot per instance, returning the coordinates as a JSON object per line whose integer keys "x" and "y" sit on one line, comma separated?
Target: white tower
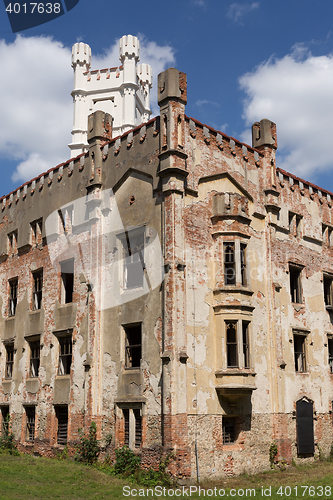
{"x": 123, "y": 92}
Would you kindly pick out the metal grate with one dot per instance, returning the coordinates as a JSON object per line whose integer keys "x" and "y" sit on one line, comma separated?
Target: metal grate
{"x": 138, "y": 428}
{"x": 62, "y": 416}
{"x": 30, "y": 424}
{"x": 126, "y": 426}
{"x": 228, "y": 430}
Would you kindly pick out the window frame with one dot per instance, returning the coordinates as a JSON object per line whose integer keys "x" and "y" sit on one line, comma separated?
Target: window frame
{"x": 230, "y": 437}
{"x": 64, "y": 366}
{"x": 12, "y": 298}
{"x": 299, "y": 335}
{"x": 130, "y": 346}
{"x": 30, "y": 412}
{"x": 295, "y": 283}
{"x": 132, "y": 422}
{"x": 234, "y": 259}
{"x": 9, "y": 367}
{"x": 241, "y": 345}
{"x": 37, "y": 290}
{"x": 133, "y": 259}
{"x": 67, "y": 281}
{"x": 34, "y": 361}
{"x": 330, "y": 351}
{"x": 62, "y": 424}
{"x": 36, "y": 228}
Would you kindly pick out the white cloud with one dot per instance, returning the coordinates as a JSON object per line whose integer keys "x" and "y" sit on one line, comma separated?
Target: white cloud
{"x": 205, "y": 102}
{"x": 296, "y": 93}
{"x": 36, "y": 107}
{"x": 237, "y": 11}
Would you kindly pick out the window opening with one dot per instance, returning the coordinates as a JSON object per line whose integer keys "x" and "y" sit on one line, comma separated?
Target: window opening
{"x": 133, "y": 346}
{"x": 299, "y": 351}
{"x": 133, "y": 247}
{"x": 37, "y": 290}
{"x": 36, "y": 232}
{"x": 126, "y": 426}
{"x": 132, "y": 427}
{"x": 34, "y": 358}
{"x": 229, "y": 264}
{"x": 138, "y": 427}
{"x": 328, "y": 291}
{"x": 304, "y": 423}
{"x": 5, "y": 418}
{"x": 12, "y": 243}
{"x": 67, "y": 279}
{"x": 295, "y": 285}
{"x": 30, "y": 415}
{"x": 9, "y": 360}
{"x": 243, "y": 263}
{"x": 62, "y": 417}
{"x": 232, "y": 350}
{"x": 330, "y": 353}
{"x": 229, "y": 430}
{"x": 65, "y": 355}
{"x": 13, "y": 284}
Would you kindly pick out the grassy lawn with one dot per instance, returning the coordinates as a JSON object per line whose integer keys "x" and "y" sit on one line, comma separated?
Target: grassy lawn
{"x": 30, "y": 478}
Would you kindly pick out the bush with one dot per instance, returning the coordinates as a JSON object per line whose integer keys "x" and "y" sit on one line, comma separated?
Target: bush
{"x": 7, "y": 439}
{"x": 273, "y": 450}
{"x": 127, "y": 462}
{"x": 88, "y": 449}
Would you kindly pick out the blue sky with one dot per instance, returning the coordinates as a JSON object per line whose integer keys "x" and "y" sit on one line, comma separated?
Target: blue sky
{"x": 244, "y": 61}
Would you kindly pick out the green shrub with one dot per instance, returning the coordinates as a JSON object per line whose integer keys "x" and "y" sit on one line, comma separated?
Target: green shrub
{"x": 88, "y": 450}
{"x": 127, "y": 462}
{"x": 7, "y": 439}
{"x": 273, "y": 450}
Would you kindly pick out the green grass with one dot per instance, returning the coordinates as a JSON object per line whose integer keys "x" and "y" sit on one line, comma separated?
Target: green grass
{"x": 32, "y": 478}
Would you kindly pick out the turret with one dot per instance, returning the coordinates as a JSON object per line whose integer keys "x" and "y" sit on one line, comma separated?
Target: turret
{"x": 81, "y": 61}
{"x": 264, "y": 138}
{"x": 145, "y": 76}
{"x": 129, "y": 55}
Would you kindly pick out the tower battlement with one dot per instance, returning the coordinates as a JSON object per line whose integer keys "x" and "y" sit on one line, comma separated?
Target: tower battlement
{"x": 123, "y": 92}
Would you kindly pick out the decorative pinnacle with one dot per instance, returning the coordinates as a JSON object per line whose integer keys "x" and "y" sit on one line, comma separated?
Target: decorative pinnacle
{"x": 81, "y": 54}
{"x": 129, "y": 46}
{"x": 145, "y": 74}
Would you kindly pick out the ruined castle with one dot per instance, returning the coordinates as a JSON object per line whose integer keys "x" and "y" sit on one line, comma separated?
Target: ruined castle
{"x": 168, "y": 282}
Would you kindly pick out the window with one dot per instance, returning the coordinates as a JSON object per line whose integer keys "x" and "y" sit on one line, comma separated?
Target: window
{"x": 232, "y": 348}
{"x": 234, "y": 258}
{"x": 132, "y": 427}
{"x": 246, "y": 345}
{"x": 295, "y": 227}
{"x": 229, "y": 434}
{"x": 37, "y": 290}
{"x": 327, "y": 235}
{"x": 12, "y": 243}
{"x": 9, "y": 360}
{"x": 36, "y": 232}
{"x": 62, "y": 417}
{"x": 34, "y": 358}
{"x": 13, "y": 284}
{"x": 5, "y": 417}
{"x": 330, "y": 352}
{"x": 67, "y": 281}
{"x": 328, "y": 291}
{"x": 237, "y": 344}
{"x": 65, "y": 355}
{"x": 66, "y": 216}
{"x": 133, "y": 253}
{"x": 30, "y": 416}
{"x": 299, "y": 352}
{"x": 133, "y": 348}
{"x": 295, "y": 284}
{"x": 229, "y": 264}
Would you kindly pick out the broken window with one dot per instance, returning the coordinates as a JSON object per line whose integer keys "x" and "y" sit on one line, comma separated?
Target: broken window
{"x": 9, "y": 360}
{"x": 299, "y": 352}
{"x": 12, "y": 243}
{"x": 13, "y": 284}
{"x": 295, "y": 227}
{"x": 328, "y": 291}
{"x": 37, "y": 290}
{"x": 246, "y": 345}
{"x": 229, "y": 434}
{"x": 67, "y": 281}
{"x": 330, "y": 352}
{"x": 62, "y": 431}
{"x": 30, "y": 416}
{"x": 65, "y": 355}
{"x": 34, "y": 358}
{"x": 133, "y": 252}
{"x": 304, "y": 423}
{"x": 229, "y": 264}
{"x": 36, "y": 232}
{"x": 133, "y": 346}
{"x": 295, "y": 284}
{"x": 66, "y": 216}
{"x": 132, "y": 427}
